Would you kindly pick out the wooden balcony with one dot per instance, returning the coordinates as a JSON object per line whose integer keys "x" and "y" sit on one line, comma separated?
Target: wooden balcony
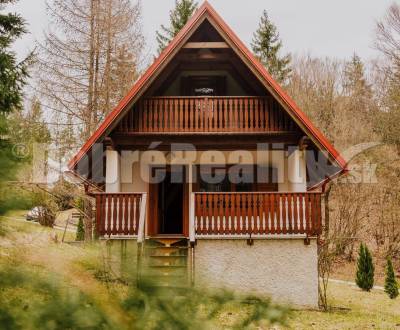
{"x": 120, "y": 214}
{"x": 207, "y": 115}
{"x": 244, "y": 214}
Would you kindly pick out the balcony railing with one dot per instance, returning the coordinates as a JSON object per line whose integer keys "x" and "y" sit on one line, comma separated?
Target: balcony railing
{"x": 212, "y": 114}
{"x": 120, "y": 214}
{"x": 232, "y": 214}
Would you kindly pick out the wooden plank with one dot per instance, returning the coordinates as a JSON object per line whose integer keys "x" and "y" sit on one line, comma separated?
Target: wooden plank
{"x": 206, "y": 115}
{"x": 312, "y": 215}
{"x": 318, "y": 214}
{"x": 138, "y": 199}
{"x": 246, "y": 115}
{"x": 109, "y": 220}
{"x": 231, "y": 121}
{"x": 222, "y": 214}
{"x": 251, "y": 115}
{"x": 226, "y": 116}
{"x": 103, "y": 214}
{"x": 241, "y": 115}
{"x": 295, "y": 213}
{"x": 186, "y": 114}
{"x": 181, "y": 117}
{"x": 300, "y": 229}
{"x": 236, "y": 114}
{"x": 164, "y": 110}
{"x": 171, "y": 115}
{"x": 272, "y": 212}
{"x": 98, "y": 214}
{"x": 207, "y": 213}
{"x": 126, "y": 219}
{"x": 192, "y": 109}
{"x": 120, "y": 214}
{"x": 132, "y": 212}
{"x": 206, "y": 45}
{"x": 256, "y": 214}
{"x": 285, "y": 214}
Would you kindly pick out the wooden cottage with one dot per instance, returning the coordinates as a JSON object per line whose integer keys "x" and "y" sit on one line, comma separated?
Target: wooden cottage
{"x": 213, "y": 169}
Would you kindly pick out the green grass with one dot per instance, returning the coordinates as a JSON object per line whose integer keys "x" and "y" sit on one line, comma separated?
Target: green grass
{"x": 351, "y": 309}
{"x": 14, "y": 222}
{"x": 80, "y": 270}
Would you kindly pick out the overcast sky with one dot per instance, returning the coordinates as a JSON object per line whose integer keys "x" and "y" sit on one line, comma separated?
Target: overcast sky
{"x": 335, "y": 28}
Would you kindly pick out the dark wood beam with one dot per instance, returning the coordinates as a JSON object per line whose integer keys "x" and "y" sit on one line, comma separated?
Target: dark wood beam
{"x": 202, "y": 141}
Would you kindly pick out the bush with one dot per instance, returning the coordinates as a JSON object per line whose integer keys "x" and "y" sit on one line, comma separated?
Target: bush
{"x": 64, "y": 193}
{"x": 365, "y": 269}
{"x": 391, "y": 285}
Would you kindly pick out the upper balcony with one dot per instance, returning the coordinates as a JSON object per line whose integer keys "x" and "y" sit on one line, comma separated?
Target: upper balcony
{"x": 216, "y": 114}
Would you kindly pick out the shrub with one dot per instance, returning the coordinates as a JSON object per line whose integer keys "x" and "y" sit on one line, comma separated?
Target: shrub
{"x": 365, "y": 269}
{"x": 391, "y": 285}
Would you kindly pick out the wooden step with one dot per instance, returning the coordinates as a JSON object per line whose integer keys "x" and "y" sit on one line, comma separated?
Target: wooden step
{"x": 166, "y": 251}
{"x": 164, "y": 265}
{"x": 168, "y": 240}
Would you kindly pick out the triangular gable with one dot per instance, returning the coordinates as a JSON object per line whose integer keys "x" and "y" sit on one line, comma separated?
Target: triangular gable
{"x": 206, "y": 11}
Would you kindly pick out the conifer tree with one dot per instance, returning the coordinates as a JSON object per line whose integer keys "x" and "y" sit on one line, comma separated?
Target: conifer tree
{"x": 365, "y": 269}
{"x": 391, "y": 285}
{"x": 267, "y": 45}
{"x": 178, "y": 17}
{"x": 12, "y": 80}
{"x": 80, "y": 230}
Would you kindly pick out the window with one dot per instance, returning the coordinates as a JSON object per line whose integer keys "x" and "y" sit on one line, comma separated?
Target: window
{"x": 234, "y": 178}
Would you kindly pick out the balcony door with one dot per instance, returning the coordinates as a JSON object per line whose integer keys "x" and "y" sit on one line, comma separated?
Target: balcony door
{"x": 168, "y": 207}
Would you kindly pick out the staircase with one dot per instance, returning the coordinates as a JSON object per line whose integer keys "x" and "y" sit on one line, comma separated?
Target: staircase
{"x": 164, "y": 266}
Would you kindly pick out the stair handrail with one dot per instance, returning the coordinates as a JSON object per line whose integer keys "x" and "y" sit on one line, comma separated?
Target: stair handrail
{"x": 142, "y": 219}
{"x": 192, "y": 219}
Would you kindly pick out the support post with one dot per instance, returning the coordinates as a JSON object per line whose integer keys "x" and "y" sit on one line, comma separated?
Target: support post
{"x": 192, "y": 235}
{"x": 297, "y": 176}
{"x": 113, "y": 172}
{"x": 142, "y": 220}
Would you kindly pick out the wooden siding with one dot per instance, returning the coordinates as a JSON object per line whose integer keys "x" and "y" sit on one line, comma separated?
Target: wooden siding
{"x": 257, "y": 214}
{"x": 211, "y": 114}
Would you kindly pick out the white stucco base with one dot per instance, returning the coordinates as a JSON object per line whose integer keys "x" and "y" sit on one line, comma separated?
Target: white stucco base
{"x": 283, "y": 269}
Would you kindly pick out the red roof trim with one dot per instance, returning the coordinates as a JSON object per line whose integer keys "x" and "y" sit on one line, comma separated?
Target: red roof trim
{"x": 207, "y": 8}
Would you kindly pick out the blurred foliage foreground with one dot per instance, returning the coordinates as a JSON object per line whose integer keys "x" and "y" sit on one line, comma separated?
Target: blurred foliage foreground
{"x": 29, "y": 302}
{"x": 94, "y": 298}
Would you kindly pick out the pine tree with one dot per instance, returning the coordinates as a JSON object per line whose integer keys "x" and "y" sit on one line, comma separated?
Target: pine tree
{"x": 365, "y": 269}
{"x": 12, "y": 73}
{"x": 267, "y": 45}
{"x": 178, "y": 17}
{"x": 80, "y": 231}
{"x": 12, "y": 80}
{"x": 391, "y": 285}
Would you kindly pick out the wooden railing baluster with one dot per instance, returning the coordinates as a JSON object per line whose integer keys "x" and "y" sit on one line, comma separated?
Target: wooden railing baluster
{"x": 256, "y": 213}
{"x": 206, "y": 114}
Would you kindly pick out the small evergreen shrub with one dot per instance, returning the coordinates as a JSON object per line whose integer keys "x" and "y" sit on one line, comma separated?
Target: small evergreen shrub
{"x": 391, "y": 285}
{"x": 80, "y": 231}
{"x": 365, "y": 269}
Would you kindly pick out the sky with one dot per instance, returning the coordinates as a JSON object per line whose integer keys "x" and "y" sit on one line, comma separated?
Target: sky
{"x": 334, "y": 28}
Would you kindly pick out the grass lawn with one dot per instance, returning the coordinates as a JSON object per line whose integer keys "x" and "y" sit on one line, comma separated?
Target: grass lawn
{"x": 81, "y": 268}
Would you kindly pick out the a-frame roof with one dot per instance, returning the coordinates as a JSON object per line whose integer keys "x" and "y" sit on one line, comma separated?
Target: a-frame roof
{"x": 206, "y": 11}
